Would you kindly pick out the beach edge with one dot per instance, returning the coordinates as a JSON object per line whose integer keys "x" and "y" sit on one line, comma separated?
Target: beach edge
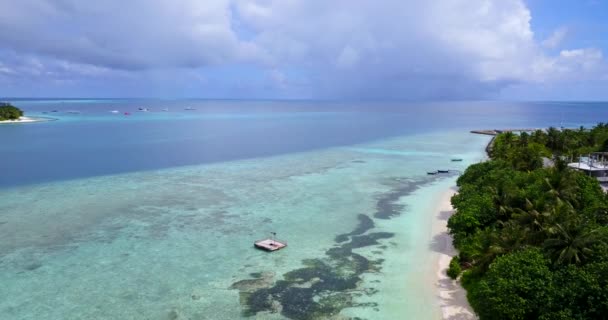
{"x": 452, "y": 297}
{"x": 23, "y": 120}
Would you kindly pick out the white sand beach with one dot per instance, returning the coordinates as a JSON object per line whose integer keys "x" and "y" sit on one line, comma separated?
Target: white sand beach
{"x": 452, "y": 297}
{"x": 25, "y": 120}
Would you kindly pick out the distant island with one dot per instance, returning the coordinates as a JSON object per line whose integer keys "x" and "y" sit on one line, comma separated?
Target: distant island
{"x": 9, "y": 112}
{"x": 12, "y": 114}
{"x": 531, "y": 226}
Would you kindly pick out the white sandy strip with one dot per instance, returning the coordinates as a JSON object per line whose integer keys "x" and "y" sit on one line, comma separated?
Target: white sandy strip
{"x": 452, "y": 297}
{"x": 24, "y": 120}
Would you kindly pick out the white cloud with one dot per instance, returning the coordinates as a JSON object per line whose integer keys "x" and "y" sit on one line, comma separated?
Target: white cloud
{"x": 556, "y": 38}
{"x": 586, "y": 60}
{"x": 135, "y": 34}
{"x": 480, "y": 44}
{"x": 390, "y": 48}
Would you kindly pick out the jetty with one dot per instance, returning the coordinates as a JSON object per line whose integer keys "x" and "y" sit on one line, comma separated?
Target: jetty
{"x": 494, "y": 132}
{"x": 440, "y": 171}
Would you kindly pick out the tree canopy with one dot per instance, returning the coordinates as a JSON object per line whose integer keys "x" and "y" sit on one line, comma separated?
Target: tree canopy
{"x": 9, "y": 112}
{"x": 533, "y": 239}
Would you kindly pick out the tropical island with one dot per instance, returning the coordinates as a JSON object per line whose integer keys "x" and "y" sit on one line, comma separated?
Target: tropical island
{"x": 531, "y": 230}
{"x": 12, "y": 114}
{"x": 9, "y": 112}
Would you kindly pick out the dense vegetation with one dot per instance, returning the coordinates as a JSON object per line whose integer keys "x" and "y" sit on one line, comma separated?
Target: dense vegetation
{"x": 9, "y": 112}
{"x": 533, "y": 239}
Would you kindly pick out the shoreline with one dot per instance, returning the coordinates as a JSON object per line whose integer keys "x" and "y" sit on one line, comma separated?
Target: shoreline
{"x": 452, "y": 297}
{"x": 27, "y": 120}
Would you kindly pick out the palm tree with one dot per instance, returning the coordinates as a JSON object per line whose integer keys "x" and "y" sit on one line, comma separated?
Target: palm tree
{"x": 524, "y": 138}
{"x": 554, "y": 139}
{"x": 561, "y": 184}
{"x": 502, "y": 143}
{"x": 532, "y": 222}
{"x": 571, "y": 243}
{"x": 502, "y": 197}
{"x": 496, "y": 244}
{"x": 539, "y": 136}
{"x": 509, "y": 138}
{"x": 569, "y": 237}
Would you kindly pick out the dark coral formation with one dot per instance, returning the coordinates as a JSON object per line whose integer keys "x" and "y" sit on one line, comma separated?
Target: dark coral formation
{"x": 387, "y": 205}
{"x": 365, "y": 224}
{"x": 325, "y": 286}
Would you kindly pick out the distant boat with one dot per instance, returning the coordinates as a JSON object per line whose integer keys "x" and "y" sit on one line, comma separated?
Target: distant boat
{"x": 74, "y": 112}
{"x": 142, "y": 109}
{"x": 55, "y": 111}
{"x": 189, "y": 108}
{"x": 165, "y": 109}
{"x": 127, "y": 113}
{"x": 456, "y": 160}
{"x": 114, "y": 111}
{"x": 443, "y": 171}
{"x": 432, "y": 172}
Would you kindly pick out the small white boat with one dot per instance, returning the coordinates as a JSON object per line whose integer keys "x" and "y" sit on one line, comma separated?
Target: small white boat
{"x": 115, "y": 111}
{"x": 189, "y": 108}
{"x": 142, "y": 109}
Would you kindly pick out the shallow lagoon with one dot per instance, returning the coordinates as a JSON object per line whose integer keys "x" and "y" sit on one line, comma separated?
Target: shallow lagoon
{"x": 178, "y": 242}
{"x": 172, "y": 238}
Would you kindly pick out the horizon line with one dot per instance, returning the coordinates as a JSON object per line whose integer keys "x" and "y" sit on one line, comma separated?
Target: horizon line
{"x": 8, "y": 99}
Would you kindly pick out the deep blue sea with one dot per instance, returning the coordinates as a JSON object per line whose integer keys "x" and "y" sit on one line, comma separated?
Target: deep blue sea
{"x": 97, "y": 142}
{"x": 153, "y": 214}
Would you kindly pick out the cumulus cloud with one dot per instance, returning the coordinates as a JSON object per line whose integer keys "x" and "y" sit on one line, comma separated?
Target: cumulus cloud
{"x": 411, "y": 49}
{"x": 458, "y": 48}
{"x": 116, "y": 34}
{"x": 555, "y": 39}
{"x": 355, "y": 48}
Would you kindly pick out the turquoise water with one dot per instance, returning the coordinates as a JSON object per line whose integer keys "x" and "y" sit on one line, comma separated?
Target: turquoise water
{"x": 158, "y": 239}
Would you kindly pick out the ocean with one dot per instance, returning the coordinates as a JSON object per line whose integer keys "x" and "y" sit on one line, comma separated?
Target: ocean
{"x": 153, "y": 214}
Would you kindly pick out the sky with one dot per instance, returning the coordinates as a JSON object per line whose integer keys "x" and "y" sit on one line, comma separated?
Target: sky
{"x": 305, "y": 49}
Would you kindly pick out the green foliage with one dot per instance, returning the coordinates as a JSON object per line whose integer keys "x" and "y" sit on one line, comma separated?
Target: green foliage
{"x": 520, "y": 152}
{"x": 516, "y": 286}
{"x": 583, "y": 291}
{"x": 9, "y": 112}
{"x": 475, "y": 211}
{"x": 571, "y": 241}
{"x": 533, "y": 240}
{"x": 454, "y": 269}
